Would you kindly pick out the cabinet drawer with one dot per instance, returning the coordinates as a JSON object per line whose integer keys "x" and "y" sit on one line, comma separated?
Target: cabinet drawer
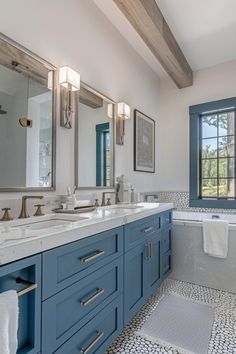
{"x": 166, "y": 240}
{"x": 98, "y": 334}
{"x": 138, "y": 231}
{"x": 166, "y": 218}
{"x": 166, "y": 264}
{"x": 66, "y": 312}
{"x": 67, "y": 264}
{"x": 29, "y": 332}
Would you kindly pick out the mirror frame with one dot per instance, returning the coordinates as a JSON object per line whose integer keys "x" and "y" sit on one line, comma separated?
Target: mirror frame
{"x": 76, "y": 153}
{"x": 50, "y": 67}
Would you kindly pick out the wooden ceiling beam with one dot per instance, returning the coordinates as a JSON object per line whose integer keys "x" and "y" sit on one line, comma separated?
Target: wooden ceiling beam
{"x": 148, "y": 21}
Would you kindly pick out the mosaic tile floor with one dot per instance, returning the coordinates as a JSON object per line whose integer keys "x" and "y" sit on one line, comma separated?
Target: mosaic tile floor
{"x": 223, "y": 337}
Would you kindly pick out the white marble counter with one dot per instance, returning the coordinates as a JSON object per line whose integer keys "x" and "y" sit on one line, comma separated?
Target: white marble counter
{"x": 16, "y": 241}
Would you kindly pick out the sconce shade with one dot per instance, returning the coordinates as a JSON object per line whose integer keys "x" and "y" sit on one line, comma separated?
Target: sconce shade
{"x": 69, "y": 78}
{"x": 110, "y": 110}
{"x": 50, "y": 80}
{"x": 123, "y": 110}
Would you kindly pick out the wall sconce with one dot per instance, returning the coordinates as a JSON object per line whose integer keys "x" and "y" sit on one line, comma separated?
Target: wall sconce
{"x": 69, "y": 81}
{"x": 123, "y": 113}
{"x": 50, "y": 80}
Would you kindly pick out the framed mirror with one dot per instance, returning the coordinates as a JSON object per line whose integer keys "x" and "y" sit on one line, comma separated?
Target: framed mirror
{"x": 94, "y": 140}
{"x": 27, "y": 119}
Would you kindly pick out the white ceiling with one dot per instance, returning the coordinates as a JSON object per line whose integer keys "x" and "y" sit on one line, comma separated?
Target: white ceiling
{"x": 204, "y": 29}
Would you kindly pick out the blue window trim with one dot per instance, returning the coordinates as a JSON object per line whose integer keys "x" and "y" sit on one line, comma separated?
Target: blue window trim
{"x": 100, "y": 129}
{"x": 195, "y": 112}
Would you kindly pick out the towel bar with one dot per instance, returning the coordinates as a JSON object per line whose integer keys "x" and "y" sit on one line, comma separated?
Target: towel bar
{"x": 30, "y": 286}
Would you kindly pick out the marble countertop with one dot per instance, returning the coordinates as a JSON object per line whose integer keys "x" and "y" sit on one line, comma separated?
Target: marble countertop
{"x": 18, "y": 241}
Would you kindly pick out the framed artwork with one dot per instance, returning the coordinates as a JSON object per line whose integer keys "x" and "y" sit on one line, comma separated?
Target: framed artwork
{"x": 144, "y": 142}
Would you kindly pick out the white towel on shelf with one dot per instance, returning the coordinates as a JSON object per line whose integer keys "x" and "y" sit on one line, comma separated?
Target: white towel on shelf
{"x": 215, "y": 238}
{"x": 8, "y": 322}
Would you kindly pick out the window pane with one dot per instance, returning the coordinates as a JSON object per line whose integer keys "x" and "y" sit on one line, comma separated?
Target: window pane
{"x": 209, "y": 148}
{"x": 226, "y": 188}
{"x": 209, "y": 126}
{"x": 209, "y": 188}
{"x": 226, "y": 146}
{"x": 226, "y": 167}
{"x": 226, "y": 123}
{"x": 209, "y": 168}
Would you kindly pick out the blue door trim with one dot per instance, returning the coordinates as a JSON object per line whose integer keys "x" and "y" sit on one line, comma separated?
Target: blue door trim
{"x": 100, "y": 129}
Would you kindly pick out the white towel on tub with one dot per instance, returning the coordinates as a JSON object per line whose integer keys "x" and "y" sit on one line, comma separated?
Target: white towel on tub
{"x": 8, "y": 322}
{"x": 215, "y": 238}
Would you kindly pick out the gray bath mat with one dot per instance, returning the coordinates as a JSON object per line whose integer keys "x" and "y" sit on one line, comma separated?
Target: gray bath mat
{"x": 180, "y": 323}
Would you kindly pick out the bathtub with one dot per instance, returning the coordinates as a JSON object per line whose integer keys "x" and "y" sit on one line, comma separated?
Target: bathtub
{"x": 190, "y": 263}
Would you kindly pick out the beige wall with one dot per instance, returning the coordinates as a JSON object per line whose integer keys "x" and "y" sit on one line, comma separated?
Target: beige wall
{"x": 210, "y": 84}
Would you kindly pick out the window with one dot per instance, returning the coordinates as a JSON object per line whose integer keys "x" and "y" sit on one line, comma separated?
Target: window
{"x": 212, "y": 154}
{"x": 103, "y": 155}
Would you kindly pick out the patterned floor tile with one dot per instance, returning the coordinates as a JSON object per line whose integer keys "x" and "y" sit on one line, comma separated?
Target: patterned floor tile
{"x": 223, "y": 337}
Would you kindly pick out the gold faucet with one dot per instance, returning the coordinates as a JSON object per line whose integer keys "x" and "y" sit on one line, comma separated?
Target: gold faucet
{"x": 104, "y": 195}
{"x": 24, "y": 213}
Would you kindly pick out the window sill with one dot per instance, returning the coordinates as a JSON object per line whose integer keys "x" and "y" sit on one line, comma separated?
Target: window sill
{"x": 221, "y": 204}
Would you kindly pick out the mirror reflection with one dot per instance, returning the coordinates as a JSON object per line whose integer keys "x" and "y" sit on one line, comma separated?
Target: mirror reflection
{"x": 95, "y": 140}
{"x": 26, "y": 122}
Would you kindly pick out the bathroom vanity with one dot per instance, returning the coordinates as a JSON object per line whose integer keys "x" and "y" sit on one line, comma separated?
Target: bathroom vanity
{"x": 92, "y": 275}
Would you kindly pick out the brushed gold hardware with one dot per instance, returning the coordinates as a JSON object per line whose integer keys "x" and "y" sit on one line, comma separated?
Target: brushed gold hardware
{"x": 39, "y": 210}
{"x": 93, "y": 297}
{"x": 104, "y": 197}
{"x": 24, "y": 213}
{"x": 108, "y": 201}
{"x": 96, "y": 203}
{"x": 99, "y": 335}
{"x": 91, "y": 257}
{"x": 25, "y": 122}
{"x": 147, "y": 230}
{"x": 6, "y": 215}
{"x": 151, "y": 250}
{"x": 29, "y": 288}
{"x": 147, "y": 252}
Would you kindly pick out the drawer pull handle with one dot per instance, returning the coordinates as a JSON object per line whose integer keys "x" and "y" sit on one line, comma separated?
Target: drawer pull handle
{"x": 147, "y": 230}
{"x": 94, "y": 342}
{"x": 30, "y": 286}
{"x": 91, "y": 257}
{"x": 93, "y": 297}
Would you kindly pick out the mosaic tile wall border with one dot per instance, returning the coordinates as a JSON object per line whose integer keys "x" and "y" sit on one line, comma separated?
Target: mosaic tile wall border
{"x": 181, "y": 202}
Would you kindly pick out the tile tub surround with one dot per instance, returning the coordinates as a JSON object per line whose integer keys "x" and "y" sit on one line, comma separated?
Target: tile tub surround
{"x": 223, "y": 337}
{"x": 16, "y": 243}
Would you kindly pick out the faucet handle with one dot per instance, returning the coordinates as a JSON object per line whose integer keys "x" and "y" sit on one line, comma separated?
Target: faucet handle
{"x": 96, "y": 202}
{"x": 6, "y": 215}
{"x": 39, "y": 210}
{"x": 108, "y": 201}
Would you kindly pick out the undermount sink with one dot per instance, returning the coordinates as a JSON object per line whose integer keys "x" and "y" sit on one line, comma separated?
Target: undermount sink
{"x": 126, "y": 206}
{"x": 49, "y": 223}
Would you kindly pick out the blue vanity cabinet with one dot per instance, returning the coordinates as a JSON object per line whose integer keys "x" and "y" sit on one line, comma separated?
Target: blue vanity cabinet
{"x": 65, "y": 265}
{"x": 29, "y": 329}
{"x": 80, "y": 279}
{"x": 135, "y": 277}
{"x": 166, "y": 254}
{"x": 147, "y": 259}
{"x": 69, "y": 310}
{"x": 99, "y": 333}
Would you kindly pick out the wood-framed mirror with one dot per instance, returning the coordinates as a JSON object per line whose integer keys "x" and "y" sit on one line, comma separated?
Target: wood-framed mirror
{"x": 94, "y": 140}
{"x": 27, "y": 120}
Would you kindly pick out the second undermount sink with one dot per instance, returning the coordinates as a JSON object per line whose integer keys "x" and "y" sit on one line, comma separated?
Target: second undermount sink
{"x": 51, "y": 222}
{"x": 126, "y": 206}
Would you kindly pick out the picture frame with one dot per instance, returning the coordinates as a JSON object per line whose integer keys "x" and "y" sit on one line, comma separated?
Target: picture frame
{"x": 144, "y": 142}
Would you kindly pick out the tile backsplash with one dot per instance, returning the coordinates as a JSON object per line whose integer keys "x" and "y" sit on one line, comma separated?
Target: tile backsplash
{"x": 181, "y": 202}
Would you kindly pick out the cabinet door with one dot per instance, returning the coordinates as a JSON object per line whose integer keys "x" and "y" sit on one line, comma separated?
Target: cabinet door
{"x": 134, "y": 283}
{"x": 153, "y": 271}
